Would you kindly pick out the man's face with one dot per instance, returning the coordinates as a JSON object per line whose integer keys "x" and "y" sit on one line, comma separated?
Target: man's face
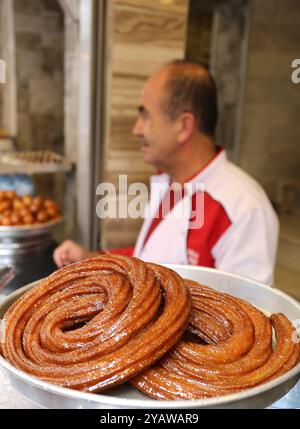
{"x": 156, "y": 131}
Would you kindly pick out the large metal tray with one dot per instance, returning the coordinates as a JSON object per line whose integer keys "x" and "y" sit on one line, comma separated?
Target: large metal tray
{"x": 266, "y": 298}
{"x": 28, "y": 231}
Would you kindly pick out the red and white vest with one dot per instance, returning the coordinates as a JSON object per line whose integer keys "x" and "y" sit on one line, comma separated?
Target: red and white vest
{"x": 239, "y": 232}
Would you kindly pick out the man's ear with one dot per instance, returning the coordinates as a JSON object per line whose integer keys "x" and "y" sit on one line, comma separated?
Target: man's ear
{"x": 187, "y": 124}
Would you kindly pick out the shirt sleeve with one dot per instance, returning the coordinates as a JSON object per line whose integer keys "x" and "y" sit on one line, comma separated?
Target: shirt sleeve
{"x": 126, "y": 251}
{"x": 249, "y": 246}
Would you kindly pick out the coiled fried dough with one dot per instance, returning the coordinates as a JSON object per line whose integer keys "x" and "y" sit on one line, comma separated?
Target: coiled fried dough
{"x": 97, "y": 323}
{"x": 233, "y": 350}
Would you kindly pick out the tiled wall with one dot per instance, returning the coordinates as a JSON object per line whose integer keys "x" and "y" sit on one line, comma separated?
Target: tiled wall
{"x": 144, "y": 36}
{"x": 270, "y": 149}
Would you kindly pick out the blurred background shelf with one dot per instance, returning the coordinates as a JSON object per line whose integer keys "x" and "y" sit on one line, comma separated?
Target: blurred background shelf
{"x": 30, "y": 169}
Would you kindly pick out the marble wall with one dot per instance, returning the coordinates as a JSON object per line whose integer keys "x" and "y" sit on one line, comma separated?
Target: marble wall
{"x": 254, "y": 71}
{"x": 199, "y": 31}
{"x": 39, "y": 40}
{"x": 1, "y": 58}
{"x": 144, "y": 36}
{"x": 229, "y": 48}
{"x": 8, "y": 100}
{"x": 269, "y": 148}
{"x": 39, "y": 65}
{"x": 71, "y": 79}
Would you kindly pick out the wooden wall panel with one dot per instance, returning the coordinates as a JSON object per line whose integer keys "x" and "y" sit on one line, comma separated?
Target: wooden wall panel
{"x": 144, "y": 36}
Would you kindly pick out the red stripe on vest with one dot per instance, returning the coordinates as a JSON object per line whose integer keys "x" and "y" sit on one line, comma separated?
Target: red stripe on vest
{"x": 202, "y": 240}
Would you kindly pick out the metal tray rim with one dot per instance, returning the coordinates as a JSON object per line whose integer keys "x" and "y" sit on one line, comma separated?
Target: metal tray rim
{"x": 236, "y": 276}
{"x": 29, "y": 228}
{"x": 148, "y": 403}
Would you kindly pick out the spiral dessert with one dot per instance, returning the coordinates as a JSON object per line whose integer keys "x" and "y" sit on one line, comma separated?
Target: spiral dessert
{"x": 97, "y": 323}
{"x": 227, "y": 348}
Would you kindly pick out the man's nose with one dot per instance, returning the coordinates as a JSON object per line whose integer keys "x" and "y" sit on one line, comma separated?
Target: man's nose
{"x": 138, "y": 128}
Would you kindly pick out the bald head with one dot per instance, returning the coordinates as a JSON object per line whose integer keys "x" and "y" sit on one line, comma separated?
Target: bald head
{"x": 189, "y": 87}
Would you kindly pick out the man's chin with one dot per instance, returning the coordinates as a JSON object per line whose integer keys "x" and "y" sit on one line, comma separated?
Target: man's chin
{"x": 146, "y": 158}
{"x": 148, "y": 161}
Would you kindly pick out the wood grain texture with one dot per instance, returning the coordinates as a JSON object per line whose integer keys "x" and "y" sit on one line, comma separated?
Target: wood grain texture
{"x": 143, "y": 37}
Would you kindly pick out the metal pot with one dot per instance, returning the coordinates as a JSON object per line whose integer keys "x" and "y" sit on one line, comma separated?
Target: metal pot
{"x": 6, "y": 276}
{"x": 21, "y": 243}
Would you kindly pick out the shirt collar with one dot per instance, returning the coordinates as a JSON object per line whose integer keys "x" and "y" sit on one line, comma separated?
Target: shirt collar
{"x": 205, "y": 171}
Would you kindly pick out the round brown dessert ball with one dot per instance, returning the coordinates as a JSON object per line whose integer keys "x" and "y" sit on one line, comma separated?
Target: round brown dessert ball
{"x": 10, "y": 195}
{"x": 26, "y": 210}
{"x": 4, "y": 205}
{"x": 6, "y": 220}
{"x": 18, "y": 203}
{"x": 38, "y": 201}
{"x": 27, "y": 200}
{"x": 28, "y": 219}
{"x": 16, "y": 218}
{"x": 42, "y": 216}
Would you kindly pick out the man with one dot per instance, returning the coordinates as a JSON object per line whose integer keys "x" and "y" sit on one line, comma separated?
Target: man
{"x": 176, "y": 125}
